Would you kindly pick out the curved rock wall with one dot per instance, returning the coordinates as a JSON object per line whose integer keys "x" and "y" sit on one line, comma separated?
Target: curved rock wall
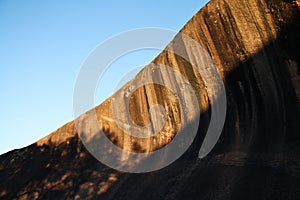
{"x": 255, "y": 45}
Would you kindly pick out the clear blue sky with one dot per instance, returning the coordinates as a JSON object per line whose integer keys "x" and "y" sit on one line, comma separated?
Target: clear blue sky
{"x": 44, "y": 43}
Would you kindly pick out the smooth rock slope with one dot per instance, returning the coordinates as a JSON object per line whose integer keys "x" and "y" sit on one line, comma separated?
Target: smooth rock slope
{"x": 256, "y": 47}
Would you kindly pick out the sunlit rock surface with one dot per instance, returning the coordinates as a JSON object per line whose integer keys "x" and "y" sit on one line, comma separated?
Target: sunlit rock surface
{"x": 255, "y": 45}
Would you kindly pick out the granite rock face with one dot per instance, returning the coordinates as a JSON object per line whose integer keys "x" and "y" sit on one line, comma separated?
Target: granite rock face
{"x": 255, "y": 45}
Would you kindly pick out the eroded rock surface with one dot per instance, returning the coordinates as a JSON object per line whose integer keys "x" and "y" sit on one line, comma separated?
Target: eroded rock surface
{"x": 256, "y": 47}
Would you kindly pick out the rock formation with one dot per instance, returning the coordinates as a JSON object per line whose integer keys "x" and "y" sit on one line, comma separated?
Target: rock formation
{"x": 256, "y": 47}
